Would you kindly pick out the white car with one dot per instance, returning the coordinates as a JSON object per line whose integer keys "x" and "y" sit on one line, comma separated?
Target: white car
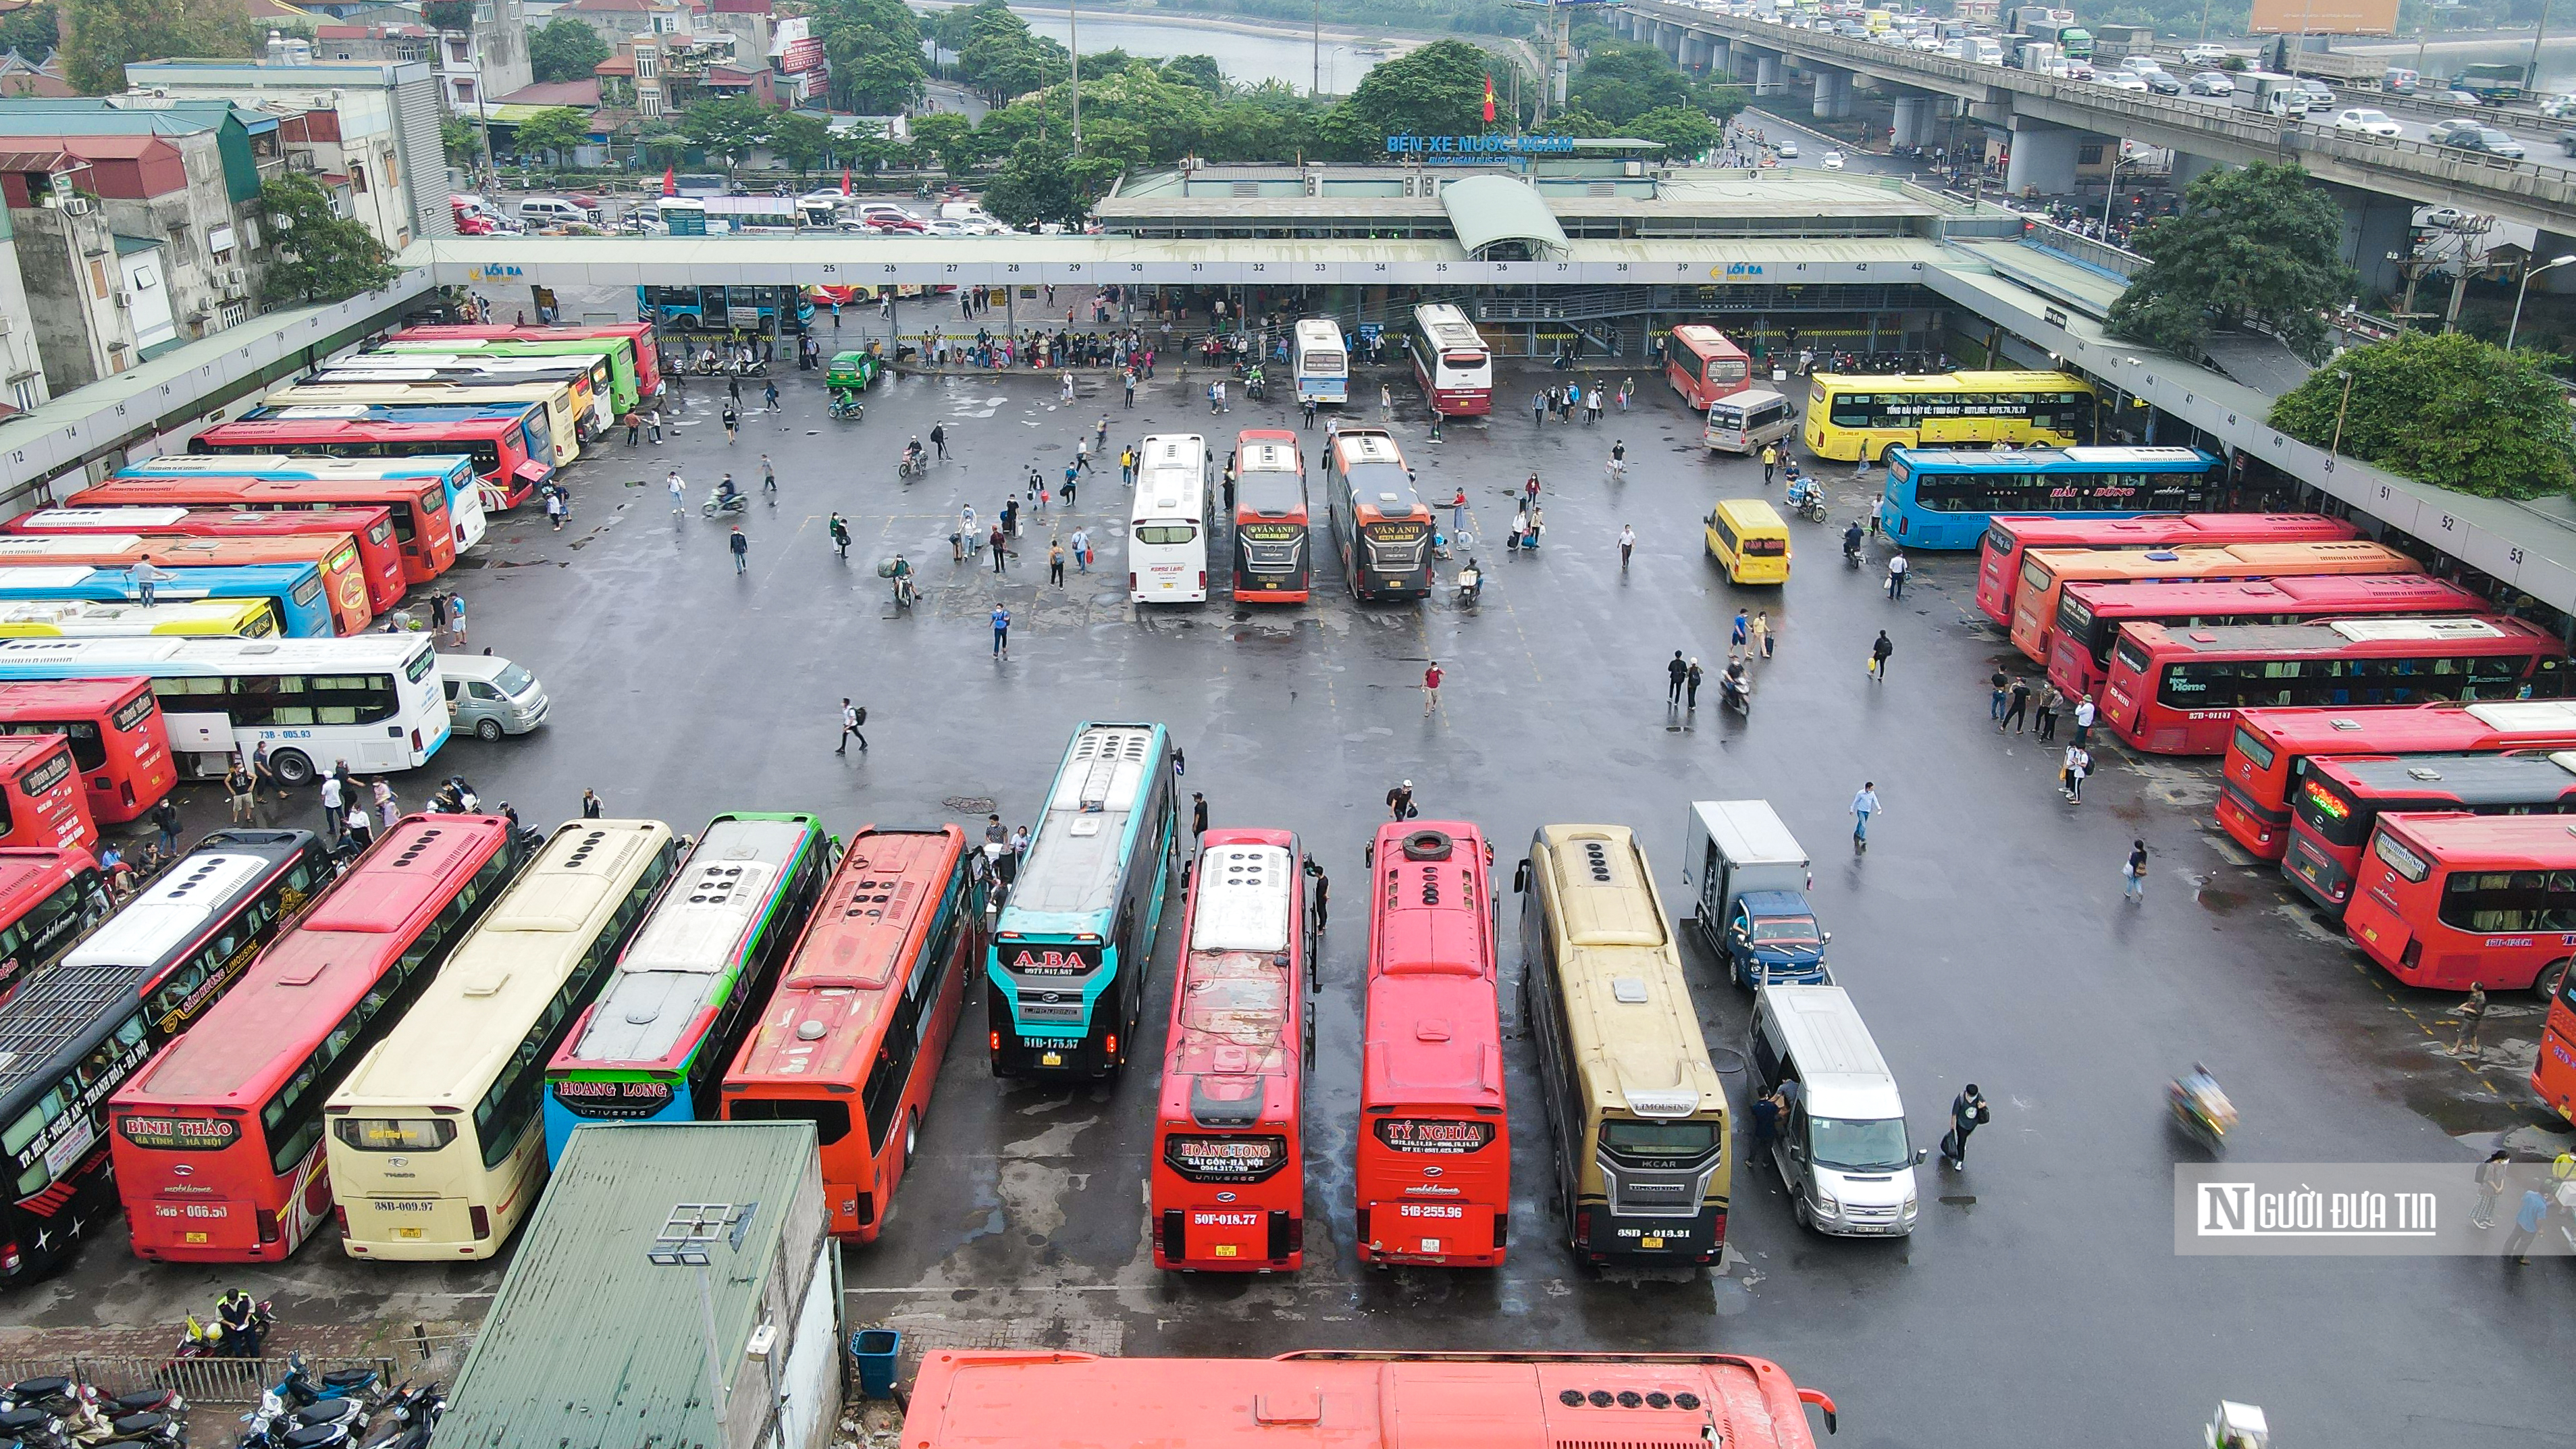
{"x": 1833, "y": 160}
{"x": 1928, "y": 44}
{"x": 1788, "y": 148}
{"x": 2446, "y": 218}
{"x": 2558, "y": 108}
{"x": 2203, "y": 54}
{"x": 2367, "y": 122}
{"x": 2122, "y": 80}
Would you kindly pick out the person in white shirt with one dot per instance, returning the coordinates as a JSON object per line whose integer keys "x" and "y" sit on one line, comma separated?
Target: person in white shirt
{"x": 1627, "y": 544}
{"x": 679, "y": 493}
{"x": 331, "y": 806}
{"x": 1896, "y": 575}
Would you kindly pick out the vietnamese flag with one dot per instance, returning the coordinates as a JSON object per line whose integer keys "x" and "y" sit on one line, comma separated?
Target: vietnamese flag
{"x": 1489, "y": 99}
{"x": 670, "y": 182}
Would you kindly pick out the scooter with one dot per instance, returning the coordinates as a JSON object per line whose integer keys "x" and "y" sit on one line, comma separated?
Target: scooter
{"x": 1737, "y": 695}
{"x": 847, "y": 406}
{"x": 1471, "y": 586}
{"x": 2200, "y": 1109}
{"x": 411, "y": 1414}
{"x": 719, "y": 504}
{"x": 1851, "y": 553}
{"x": 911, "y": 466}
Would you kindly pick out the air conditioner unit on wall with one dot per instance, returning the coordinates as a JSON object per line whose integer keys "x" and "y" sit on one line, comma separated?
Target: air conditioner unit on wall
{"x": 77, "y": 206}
{"x": 123, "y": 301}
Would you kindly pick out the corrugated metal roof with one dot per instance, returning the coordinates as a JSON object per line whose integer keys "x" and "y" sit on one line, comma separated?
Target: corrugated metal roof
{"x": 588, "y": 1345}
{"x": 1489, "y": 209}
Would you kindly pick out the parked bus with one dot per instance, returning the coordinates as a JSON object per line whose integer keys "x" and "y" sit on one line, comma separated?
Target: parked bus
{"x": 2272, "y": 748}
{"x": 1638, "y": 1114}
{"x": 196, "y": 928}
{"x": 1226, "y": 1188}
{"x": 1167, "y": 521}
{"x": 1434, "y": 1174}
{"x": 2176, "y": 692}
{"x": 2450, "y": 900}
{"x": 1704, "y": 364}
{"x": 568, "y": 420}
{"x": 1946, "y": 497}
{"x": 1073, "y": 952}
{"x": 512, "y": 455}
{"x": 1381, "y": 530}
{"x": 120, "y": 742}
{"x": 2089, "y": 616}
{"x": 348, "y": 605}
{"x": 641, "y": 351}
{"x": 48, "y": 900}
{"x": 1377, "y": 1399}
{"x": 435, "y": 503}
{"x": 1747, "y": 421}
{"x": 2046, "y": 571}
{"x": 435, "y": 1146}
{"x": 74, "y": 1036}
{"x": 2009, "y": 538}
{"x": 853, "y": 1038}
{"x": 1322, "y": 361}
{"x": 369, "y": 530}
{"x": 781, "y": 308}
{"x": 217, "y": 1144}
{"x": 294, "y": 590}
{"x": 611, "y": 386}
{"x": 97, "y": 619}
{"x": 685, "y": 993}
{"x": 1451, "y": 362}
{"x": 374, "y": 701}
{"x": 1850, "y": 416}
{"x": 1272, "y": 564}
{"x": 42, "y": 800}
{"x": 2553, "y": 1071}
{"x": 2341, "y": 796}
{"x": 584, "y": 377}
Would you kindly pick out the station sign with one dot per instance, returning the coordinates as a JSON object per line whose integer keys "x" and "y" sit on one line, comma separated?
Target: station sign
{"x": 1454, "y": 149}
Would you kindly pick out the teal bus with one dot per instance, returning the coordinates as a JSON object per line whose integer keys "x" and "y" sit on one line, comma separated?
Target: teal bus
{"x": 1075, "y": 941}
{"x": 690, "y": 985}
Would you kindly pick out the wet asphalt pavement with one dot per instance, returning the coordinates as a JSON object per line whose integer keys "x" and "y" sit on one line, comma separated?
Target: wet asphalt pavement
{"x": 1983, "y": 936}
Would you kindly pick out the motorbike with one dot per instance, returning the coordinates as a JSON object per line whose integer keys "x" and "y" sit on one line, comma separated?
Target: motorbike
{"x": 720, "y": 503}
{"x": 1471, "y": 587}
{"x": 1807, "y": 500}
{"x": 1851, "y": 552}
{"x": 1736, "y": 694}
{"x": 911, "y": 466}
{"x": 205, "y": 1339}
{"x": 906, "y": 593}
{"x": 846, "y": 405}
{"x": 1256, "y": 388}
{"x": 2200, "y": 1109}
{"x": 410, "y": 1414}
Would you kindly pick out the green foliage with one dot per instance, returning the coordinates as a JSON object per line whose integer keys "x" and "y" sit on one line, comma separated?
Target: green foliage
{"x": 1686, "y": 131}
{"x": 875, "y": 50}
{"x": 1195, "y": 70}
{"x": 30, "y": 30}
{"x": 2252, "y": 246}
{"x": 800, "y": 141}
{"x": 553, "y": 131}
{"x": 458, "y": 138}
{"x": 1437, "y": 90}
{"x": 451, "y": 15}
{"x": 1623, "y": 79}
{"x": 108, "y": 33}
{"x": 1044, "y": 181}
{"x": 663, "y": 148}
{"x": 946, "y": 137}
{"x": 2449, "y": 410}
{"x": 733, "y": 127}
{"x": 315, "y": 255}
{"x": 565, "y": 50}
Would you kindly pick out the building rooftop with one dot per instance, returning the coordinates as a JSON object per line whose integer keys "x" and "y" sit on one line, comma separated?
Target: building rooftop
{"x": 554, "y": 93}
{"x": 1501, "y": 211}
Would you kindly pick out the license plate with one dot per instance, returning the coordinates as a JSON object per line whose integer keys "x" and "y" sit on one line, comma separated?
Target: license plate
{"x": 406, "y": 1232}
{"x": 1653, "y": 1242}
{"x": 1051, "y": 1059}
{"x": 197, "y": 1238}
{"x": 1431, "y": 1245}
{"x": 1227, "y": 1250}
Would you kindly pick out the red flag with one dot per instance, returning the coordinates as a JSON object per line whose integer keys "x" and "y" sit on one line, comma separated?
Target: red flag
{"x": 845, "y": 182}
{"x": 1489, "y": 99}
{"x": 670, "y": 182}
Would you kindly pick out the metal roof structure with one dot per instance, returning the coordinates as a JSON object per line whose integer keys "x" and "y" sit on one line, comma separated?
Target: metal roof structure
{"x": 591, "y": 1346}
{"x": 1489, "y": 211}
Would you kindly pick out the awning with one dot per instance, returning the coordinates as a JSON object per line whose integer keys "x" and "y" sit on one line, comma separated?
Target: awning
{"x": 1485, "y": 210}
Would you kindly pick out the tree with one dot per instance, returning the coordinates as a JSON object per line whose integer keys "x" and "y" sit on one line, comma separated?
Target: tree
{"x": 800, "y": 141}
{"x": 1043, "y": 181}
{"x": 457, "y": 137}
{"x": 315, "y": 255}
{"x": 565, "y": 50}
{"x": 733, "y": 127}
{"x": 1437, "y": 90}
{"x": 31, "y": 30}
{"x": 1195, "y": 70}
{"x": 1686, "y": 131}
{"x": 553, "y": 131}
{"x": 455, "y": 16}
{"x": 946, "y": 137}
{"x": 108, "y": 33}
{"x": 1622, "y": 80}
{"x": 875, "y": 50}
{"x": 1000, "y": 66}
{"x": 2253, "y": 246}
{"x": 2450, "y": 410}
{"x": 663, "y": 148}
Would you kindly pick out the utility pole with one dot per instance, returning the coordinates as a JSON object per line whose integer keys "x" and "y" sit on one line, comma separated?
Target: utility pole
{"x": 1315, "y": 87}
{"x": 2531, "y": 72}
{"x": 1073, "y": 35}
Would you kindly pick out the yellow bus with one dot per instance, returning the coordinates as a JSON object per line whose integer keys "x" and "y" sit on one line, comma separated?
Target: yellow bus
{"x": 563, "y": 411}
{"x": 1850, "y": 416}
{"x": 1748, "y": 540}
{"x": 111, "y": 619}
{"x": 436, "y": 1147}
{"x": 1636, "y": 1113}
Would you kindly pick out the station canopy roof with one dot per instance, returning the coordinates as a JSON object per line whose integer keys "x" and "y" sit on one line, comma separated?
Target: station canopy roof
{"x": 1487, "y": 210}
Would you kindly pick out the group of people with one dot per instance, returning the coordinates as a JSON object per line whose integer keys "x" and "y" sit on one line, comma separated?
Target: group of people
{"x": 1564, "y": 400}
{"x": 2012, "y": 710}
{"x": 1125, "y": 349}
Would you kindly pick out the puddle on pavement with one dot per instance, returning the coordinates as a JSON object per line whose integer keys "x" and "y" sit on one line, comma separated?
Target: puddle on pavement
{"x": 2220, "y": 902}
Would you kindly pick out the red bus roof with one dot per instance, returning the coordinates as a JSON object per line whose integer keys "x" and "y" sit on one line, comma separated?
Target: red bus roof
{"x": 1706, "y": 340}
{"x": 283, "y": 434}
{"x": 21, "y": 753}
{"x": 1433, "y": 1034}
{"x": 2453, "y": 838}
{"x": 2150, "y": 530}
{"x": 175, "y": 550}
{"x": 199, "y": 521}
{"x": 2324, "y": 729}
{"x": 821, "y": 1028}
{"x": 64, "y": 698}
{"x": 2408, "y": 593}
{"x": 2356, "y": 638}
{"x": 309, "y": 977}
{"x": 28, "y": 874}
{"x": 965, "y": 1399}
{"x": 220, "y": 488}
{"x": 1245, "y": 1032}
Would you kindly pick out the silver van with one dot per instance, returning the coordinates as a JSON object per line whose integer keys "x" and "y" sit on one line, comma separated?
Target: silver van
{"x": 555, "y": 211}
{"x": 488, "y": 696}
{"x": 1840, "y": 1147}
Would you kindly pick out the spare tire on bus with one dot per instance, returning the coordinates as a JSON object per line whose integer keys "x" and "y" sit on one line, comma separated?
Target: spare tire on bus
{"x": 1428, "y": 845}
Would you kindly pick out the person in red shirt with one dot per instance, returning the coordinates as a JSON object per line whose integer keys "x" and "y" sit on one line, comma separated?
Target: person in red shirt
{"x": 1431, "y": 687}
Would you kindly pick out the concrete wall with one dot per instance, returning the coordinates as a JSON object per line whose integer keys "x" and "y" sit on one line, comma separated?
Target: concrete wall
{"x": 69, "y": 266}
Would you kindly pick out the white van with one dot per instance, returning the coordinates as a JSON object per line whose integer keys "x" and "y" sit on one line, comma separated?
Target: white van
{"x": 488, "y": 696}
{"x": 1841, "y": 1147}
{"x": 555, "y": 211}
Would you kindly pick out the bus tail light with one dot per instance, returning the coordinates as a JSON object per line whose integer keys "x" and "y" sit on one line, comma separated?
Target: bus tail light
{"x": 124, "y": 791}
{"x": 267, "y": 1221}
{"x": 1172, "y": 1238}
{"x": 9, "y": 1259}
{"x": 2413, "y": 955}
{"x": 340, "y": 1217}
{"x": 481, "y": 1217}
{"x": 1502, "y": 1228}
{"x": 1203, "y": 581}
{"x": 1131, "y": 581}
{"x": 1282, "y": 1236}
{"x": 1362, "y": 1229}
{"x": 1113, "y": 1046}
{"x": 415, "y": 739}
{"x": 1296, "y": 1233}
{"x": 1582, "y": 1226}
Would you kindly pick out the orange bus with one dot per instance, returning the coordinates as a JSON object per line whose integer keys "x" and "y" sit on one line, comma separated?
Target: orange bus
{"x": 2045, "y": 571}
{"x": 120, "y": 742}
{"x": 344, "y": 579}
{"x": 41, "y": 799}
{"x": 1704, "y": 364}
{"x": 370, "y": 530}
{"x": 863, "y": 1013}
{"x": 422, "y": 494}
{"x": 2553, "y": 1075}
{"x": 1357, "y": 1399}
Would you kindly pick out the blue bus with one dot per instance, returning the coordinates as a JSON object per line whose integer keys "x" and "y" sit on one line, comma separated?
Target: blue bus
{"x": 739, "y": 308}
{"x": 655, "y": 1046}
{"x": 402, "y": 413}
{"x": 1943, "y": 497}
{"x": 456, "y": 471}
{"x": 1075, "y": 942}
{"x": 296, "y": 588}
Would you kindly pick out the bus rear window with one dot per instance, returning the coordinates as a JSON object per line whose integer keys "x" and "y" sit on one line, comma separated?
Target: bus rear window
{"x": 2398, "y": 858}
{"x": 1658, "y": 1142}
{"x": 1166, "y": 533}
{"x": 2252, "y": 747}
{"x": 2034, "y": 576}
{"x": 394, "y": 1134}
{"x": 2132, "y": 655}
{"x": 1999, "y": 539}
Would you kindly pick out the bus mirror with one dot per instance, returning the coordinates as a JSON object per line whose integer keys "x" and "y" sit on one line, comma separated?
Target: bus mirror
{"x": 1921, "y": 1153}
{"x": 1825, "y": 939}
{"x": 1521, "y": 877}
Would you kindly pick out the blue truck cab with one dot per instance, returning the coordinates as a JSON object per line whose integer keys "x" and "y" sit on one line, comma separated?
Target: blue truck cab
{"x": 1750, "y": 877}
{"x": 1771, "y": 937}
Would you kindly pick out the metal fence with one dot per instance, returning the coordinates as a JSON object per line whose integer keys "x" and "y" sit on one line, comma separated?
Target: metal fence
{"x": 198, "y": 1380}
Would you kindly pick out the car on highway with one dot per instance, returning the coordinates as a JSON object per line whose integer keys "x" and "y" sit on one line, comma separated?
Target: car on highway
{"x": 1788, "y": 148}
{"x": 2161, "y": 83}
{"x": 1833, "y": 161}
{"x": 2121, "y": 80}
{"x": 2446, "y": 218}
{"x": 2559, "y": 108}
{"x": 2363, "y": 121}
{"x": 2485, "y": 139}
{"x": 2203, "y": 54}
{"x": 2462, "y": 98}
{"x": 2440, "y": 132}
{"x": 2567, "y": 142}
{"x": 2211, "y": 83}
{"x": 2319, "y": 94}
{"x": 1928, "y": 44}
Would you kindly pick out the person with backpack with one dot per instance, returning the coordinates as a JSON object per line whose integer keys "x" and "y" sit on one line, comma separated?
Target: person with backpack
{"x": 852, "y": 716}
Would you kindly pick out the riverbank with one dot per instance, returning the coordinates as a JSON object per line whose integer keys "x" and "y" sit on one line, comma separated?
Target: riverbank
{"x": 1397, "y": 42}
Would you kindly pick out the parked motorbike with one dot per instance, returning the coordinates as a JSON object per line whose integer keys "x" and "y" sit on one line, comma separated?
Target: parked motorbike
{"x": 406, "y": 1419}
{"x": 720, "y": 503}
{"x": 205, "y": 1339}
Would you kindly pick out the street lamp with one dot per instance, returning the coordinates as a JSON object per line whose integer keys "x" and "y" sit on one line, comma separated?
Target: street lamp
{"x": 2528, "y": 273}
{"x": 2336, "y": 447}
{"x": 686, "y": 1238}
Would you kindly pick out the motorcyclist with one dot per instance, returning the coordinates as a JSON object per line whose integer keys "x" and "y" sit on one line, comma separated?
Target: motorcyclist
{"x": 901, "y": 574}
{"x": 1851, "y": 540}
{"x": 727, "y": 495}
{"x": 1736, "y": 689}
{"x": 912, "y": 455}
{"x": 1471, "y": 581}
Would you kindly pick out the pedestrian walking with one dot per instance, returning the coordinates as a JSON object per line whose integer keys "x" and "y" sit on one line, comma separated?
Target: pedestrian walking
{"x": 237, "y": 790}
{"x": 1739, "y": 634}
{"x": 2491, "y": 1180}
{"x": 1592, "y": 409}
{"x": 2133, "y": 871}
{"x": 769, "y": 395}
{"x": 1082, "y": 550}
{"x": 1968, "y": 1112}
{"x": 1762, "y": 632}
{"x": 2084, "y": 714}
{"x": 1055, "y": 563}
{"x": 2526, "y": 1225}
{"x": 839, "y": 530}
{"x": 1863, "y": 805}
{"x": 2045, "y": 719}
{"x": 1676, "y": 671}
{"x": 1690, "y": 687}
{"x": 1100, "y": 435}
{"x": 852, "y": 716}
{"x": 2079, "y": 763}
{"x": 733, "y": 389}
{"x": 1627, "y": 542}
{"x": 591, "y": 806}
{"x": 388, "y": 809}
{"x": 1529, "y": 491}
{"x": 741, "y": 547}
{"x": 732, "y": 422}
{"x": 1770, "y": 463}
{"x": 633, "y": 422}
{"x": 165, "y": 821}
{"x": 1385, "y": 403}
{"x": 2017, "y": 710}
{"x": 1198, "y": 816}
{"x": 1307, "y": 406}
{"x": 1001, "y": 632}
{"x": 1896, "y": 575}
{"x": 438, "y": 611}
{"x": 653, "y": 425}
{"x": 1321, "y": 898}
{"x": 1998, "y": 686}
{"x": 769, "y": 474}
{"x": 1458, "y": 511}
{"x": 354, "y": 826}
{"x": 1180, "y": 762}
{"x": 1878, "y": 652}
{"x": 555, "y": 509}
{"x": 1001, "y": 549}
{"x": 1430, "y": 688}
{"x": 1399, "y": 802}
{"x": 2472, "y": 1015}
{"x": 679, "y": 494}
{"x": 1538, "y": 409}
{"x": 939, "y": 441}
{"x": 261, "y": 776}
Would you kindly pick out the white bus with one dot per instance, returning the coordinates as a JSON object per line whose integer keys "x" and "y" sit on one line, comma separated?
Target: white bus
{"x": 1322, "y": 361}
{"x": 1742, "y": 422}
{"x": 374, "y": 700}
{"x": 437, "y": 1146}
{"x": 1167, "y": 525}
{"x": 1451, "y": 361}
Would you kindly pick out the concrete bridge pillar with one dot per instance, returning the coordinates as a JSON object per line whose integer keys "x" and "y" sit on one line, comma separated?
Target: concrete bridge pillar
{"x": 2043, "y": 157}
{"x": 2188, "y": 169}
{"x": 1721, "y": 55}
{"x": 1833, "y": 94}
{"x": 2549, "y": 246}
{"x": 2377, "y": 230}
{"x": 1695, "y": 51}
{"x": 1766, "y": 73}
{"x": 1913, "y": 120}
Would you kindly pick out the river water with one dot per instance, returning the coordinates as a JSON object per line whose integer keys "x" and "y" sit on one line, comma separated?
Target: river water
{"x": 1247, "y": 58}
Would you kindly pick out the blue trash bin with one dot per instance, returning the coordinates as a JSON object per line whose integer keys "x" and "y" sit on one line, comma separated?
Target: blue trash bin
{"x": 874, "y": 1351}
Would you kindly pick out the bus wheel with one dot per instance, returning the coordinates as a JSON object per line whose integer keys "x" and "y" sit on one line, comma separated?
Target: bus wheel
{"x": 911, "y": 1136}
{"x": 291, "y": 767}
{"x": 2551, "y": 977}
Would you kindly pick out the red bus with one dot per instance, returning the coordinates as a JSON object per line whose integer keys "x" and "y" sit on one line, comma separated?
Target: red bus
{"x": 1357, "y": 1399}
{"x": 42, "y": 800}
{"x": 2272, "y": 747}
{"x": 1451, "y": 361}
{"x": 2343, "y": 795}
{"x": 863, "y": 1013}
{"x": 120, "y": 743}
{"x": 511, "y": 455}
{"x": 2553, "y": 1075}
{"x": 2046, "y": 572}
{"x": 1273, "y": 563}
{"x": 2177, "y": 691}
{"x": 1433, "y": 1178}
{"x": 48, "y": 900}
{"x": 2008, "y": 535}
{"x": 423, "y": 533}
{"x": 1704, "y": 364}
{"x": 369, "y": 530}
{"x": 639, "y": 337}
{"x": 2089, "y": 615}
{"x": 218, "y": 1142}
{"x": 1228, "y": 1176}
{"x": 2451, "y": 900}
{"x": 344, "y": 584}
